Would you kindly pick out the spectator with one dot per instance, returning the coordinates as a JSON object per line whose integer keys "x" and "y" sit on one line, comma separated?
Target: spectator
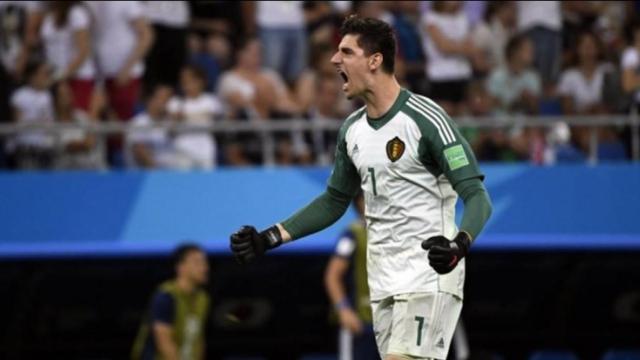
{"x": 19, "y": 34}
{"x": 630, "y": 64}
{"x": 153, "y": 147}
{"x": 446, "y": 39}
{"x": 76, "y": 148}
{"x": 324, "y": 110}
{"x": 252, "y": 91}
{"x": 195, "y": 108}
{"x": 66, "y": 39}
{"x": 581, "y": 85}
{"x": 541, "y": 22}
{"x": 168, "y": 53}
{"x": 321, "y": 66}
{"x": 32, "y": 104}
{"x": 409, "y": 45}
{"x": 212, "y": 54}
{"x": 490, "y": 36}
{"x": 515, "y": 87}
{"x": 323, "y": 23}
{"x": 122, "y": 39}
{"x": 282, "y": 32}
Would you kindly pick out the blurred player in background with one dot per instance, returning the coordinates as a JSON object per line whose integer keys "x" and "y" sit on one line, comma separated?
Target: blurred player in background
{"x": 350, "y": 294}
{"x": 411, "y": 162}
{"x": 174, "y": 326}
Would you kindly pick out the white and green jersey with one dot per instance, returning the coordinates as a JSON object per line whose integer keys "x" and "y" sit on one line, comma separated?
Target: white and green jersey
{"x": 406, "y": 163}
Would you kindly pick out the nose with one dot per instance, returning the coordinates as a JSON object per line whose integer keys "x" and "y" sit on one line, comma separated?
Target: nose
{"x": 335, "y": 59}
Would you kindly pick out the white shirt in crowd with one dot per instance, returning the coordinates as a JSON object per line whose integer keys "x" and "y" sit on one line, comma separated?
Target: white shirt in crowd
{"x": 440, "y": 66}
{"x": 631, "y": 60}
{"x": 157, "y": 140}
{"x": 33, "y": 106}
{"x": 199, "y": 147}
{"x": 59, "y": 43}
{"x": 584, "y": 92}
{"x": 115, "y": 37}
{"x": 168, "y": 13}
{"x": 280, "y": 14}
{"x": 539, "y": 13}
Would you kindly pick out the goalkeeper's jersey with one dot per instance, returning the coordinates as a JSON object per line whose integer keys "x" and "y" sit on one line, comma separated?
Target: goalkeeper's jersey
{"x": 406, "y": 163}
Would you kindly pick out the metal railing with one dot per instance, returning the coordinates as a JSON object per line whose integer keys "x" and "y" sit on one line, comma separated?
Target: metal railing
{"x": 267, "y": 129}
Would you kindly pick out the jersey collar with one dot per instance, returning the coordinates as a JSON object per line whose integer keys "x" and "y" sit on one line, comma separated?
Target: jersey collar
{"x": 377, "y": 123}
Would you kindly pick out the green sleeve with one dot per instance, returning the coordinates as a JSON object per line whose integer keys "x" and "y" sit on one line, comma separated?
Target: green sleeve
{"x": 477, "y": 206}
{"x": 326, "y": 209}
{"x": 321, "y": 213}
{"x": 442, "y": 149}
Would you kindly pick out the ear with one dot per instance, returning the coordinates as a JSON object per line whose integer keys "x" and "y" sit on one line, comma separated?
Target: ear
{"x": 375, "y": 61}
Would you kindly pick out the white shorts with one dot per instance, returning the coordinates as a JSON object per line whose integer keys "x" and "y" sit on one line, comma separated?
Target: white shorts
{"x": 418, "y": 325}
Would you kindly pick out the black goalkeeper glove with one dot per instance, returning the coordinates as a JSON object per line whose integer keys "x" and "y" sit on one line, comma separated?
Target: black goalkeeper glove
{"x": 247, "y": 244}
{"x": 444, "y": 254}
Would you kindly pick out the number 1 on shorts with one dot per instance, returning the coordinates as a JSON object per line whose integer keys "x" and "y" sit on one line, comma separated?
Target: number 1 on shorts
{"x": 420, "y": 320}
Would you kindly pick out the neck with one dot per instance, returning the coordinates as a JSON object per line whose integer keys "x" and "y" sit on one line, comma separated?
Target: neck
{"x": 185, "y": 285}
{"x": 588, "y": 66}
{"x": 381, "y": 96}
{"x": 515, "y": 67}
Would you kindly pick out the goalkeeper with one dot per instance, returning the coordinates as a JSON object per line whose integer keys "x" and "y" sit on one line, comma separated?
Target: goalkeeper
{"x": 411, "y": 163}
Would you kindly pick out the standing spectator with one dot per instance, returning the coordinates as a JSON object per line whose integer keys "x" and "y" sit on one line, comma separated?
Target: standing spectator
{"x": 20, "y": 21}
{"x": 153, "y": 148}
{"x": 76, "y": 148}
{"x": 174, "y": 325}
{"x": 169, "y": 50}
{"x": 32, "y": 104}
{"x": 281, "y": 27}
{"x": 446, "y": 39}
{"x": 490, "y": 36}
{"x": 211, "y": 53}
{"x": 541, "y": 21}
{"x": 66, "y": 39}
{"x": 195, "y": 107}
{"x": 122, "y": 39}
{"x": 405, "y": 18}
{"x": 630, "y": 64}
{"x": 516, "y": 87}
{"x": 581, "y": 85}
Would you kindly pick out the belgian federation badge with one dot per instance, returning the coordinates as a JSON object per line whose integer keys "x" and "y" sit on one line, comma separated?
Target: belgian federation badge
{"x": 395, "y": 149}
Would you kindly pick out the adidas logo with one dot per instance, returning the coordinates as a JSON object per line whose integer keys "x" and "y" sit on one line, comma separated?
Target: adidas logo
{"x": 440, "y": 343}
{"x": 355, "y": 149}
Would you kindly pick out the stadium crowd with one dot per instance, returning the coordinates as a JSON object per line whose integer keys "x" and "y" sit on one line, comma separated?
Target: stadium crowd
{"x": 146, "y": 62}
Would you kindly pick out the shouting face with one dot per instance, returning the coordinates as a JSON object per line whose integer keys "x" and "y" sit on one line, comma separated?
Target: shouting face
{"x": 353, "y": 65}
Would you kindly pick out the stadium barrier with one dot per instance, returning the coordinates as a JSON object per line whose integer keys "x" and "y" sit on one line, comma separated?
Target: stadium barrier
{"x": 267, "y": 130}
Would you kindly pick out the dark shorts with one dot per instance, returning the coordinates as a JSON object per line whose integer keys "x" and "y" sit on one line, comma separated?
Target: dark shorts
{"x": 454, "y": 91}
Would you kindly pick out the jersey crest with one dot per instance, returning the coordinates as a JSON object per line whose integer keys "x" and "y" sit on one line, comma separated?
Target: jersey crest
{"x": 395, "y": 149}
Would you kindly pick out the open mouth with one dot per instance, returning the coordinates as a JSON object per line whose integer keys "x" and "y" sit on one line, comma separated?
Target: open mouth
{"x": 344, "y": 76}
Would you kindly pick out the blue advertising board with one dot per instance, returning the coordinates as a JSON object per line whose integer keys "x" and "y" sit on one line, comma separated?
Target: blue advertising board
{"x": 132, "y": 213}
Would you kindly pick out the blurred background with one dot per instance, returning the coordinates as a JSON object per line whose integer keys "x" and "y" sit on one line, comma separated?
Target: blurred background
{"x": 128, "y": 127}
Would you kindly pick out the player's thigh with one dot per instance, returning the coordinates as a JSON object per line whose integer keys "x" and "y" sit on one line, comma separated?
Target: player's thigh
{"x": 382, "y": 312}
{"x": 423, "y": 325}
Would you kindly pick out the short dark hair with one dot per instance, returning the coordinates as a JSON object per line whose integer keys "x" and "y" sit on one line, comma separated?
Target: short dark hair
{"x": 184, "y": 249}
{"x": 513, "y": 45}
{"x": 374, "y": 36}
{"x": 197, "y": 72}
